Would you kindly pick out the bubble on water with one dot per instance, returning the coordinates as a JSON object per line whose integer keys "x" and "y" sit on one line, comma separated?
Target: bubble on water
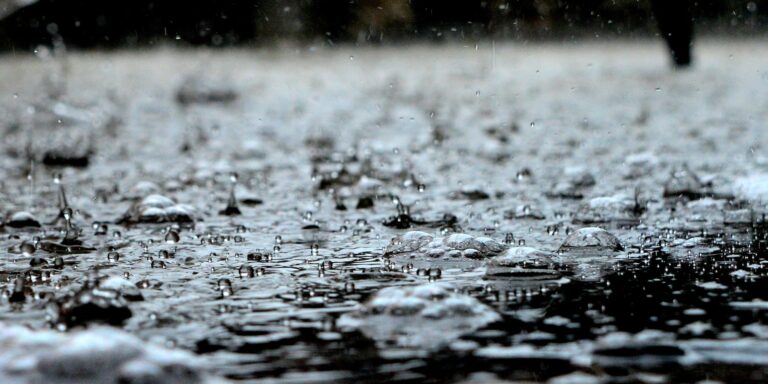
{"x": 22, "y": 219}
{"x": 101, "y": 229}
{"x": 224, "y": 287}
{"x": 523, "y": 174}
{"x": 113, "y": 256}
{"x": 552, "y": 230}
{"x": 37, "y": 262}
{"x": 143, "y": 188}
{"x": 591, "y": 239}
{"x": 246, "y": 271}
{"x": 165, "y": 254}
{"x": 454, "y": 250}
{"x": 27, "y": 249}
{"x": 422, "y": 317}
{"x": 158, "y": 209}
{"x": 121, "y": 285}
{"x": 618, "y": 208}
{"x": 409, "y": 242}
{"x": 521, "y": 255}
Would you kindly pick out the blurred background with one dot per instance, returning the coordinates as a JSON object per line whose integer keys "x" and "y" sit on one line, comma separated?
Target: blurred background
{"x": 26, "y": 24}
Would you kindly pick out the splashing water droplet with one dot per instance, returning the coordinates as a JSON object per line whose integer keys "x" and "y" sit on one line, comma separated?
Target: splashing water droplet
{"x": 172, "y": 237}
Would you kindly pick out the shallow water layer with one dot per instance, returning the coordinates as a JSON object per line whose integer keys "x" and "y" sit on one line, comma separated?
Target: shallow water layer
{"x": 424, "y": 213}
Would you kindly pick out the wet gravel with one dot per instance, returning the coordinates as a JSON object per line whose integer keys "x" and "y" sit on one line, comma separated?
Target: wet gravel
{"x": 422, "y": 213}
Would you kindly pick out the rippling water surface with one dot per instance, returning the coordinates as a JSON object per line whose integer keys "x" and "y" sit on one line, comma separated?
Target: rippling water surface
{"x": 450, "y": 213}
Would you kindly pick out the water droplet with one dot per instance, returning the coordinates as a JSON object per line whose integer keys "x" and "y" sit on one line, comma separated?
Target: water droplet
{"x": 246, "y": 271}
{"x": 225, "y": 287}
{"x": 27, "y": 249}
{"x": 172, "y": 237}
{"x": 113, "y": 256}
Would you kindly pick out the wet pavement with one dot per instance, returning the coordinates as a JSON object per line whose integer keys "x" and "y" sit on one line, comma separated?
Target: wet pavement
{"x": 425, "y": 213}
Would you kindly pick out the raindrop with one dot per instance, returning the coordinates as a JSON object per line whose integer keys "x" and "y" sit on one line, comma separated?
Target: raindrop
{"x": 231, "y": 208}
{"x": 246, "y": 271}
{"x": 27, "y": 249}
{"x": 172, "y": 237}
{"x": 165, "y": 254}
{"x": 101, "y": 229}
{"x": 225, "y": 287}
{"x": 113, "y": 256}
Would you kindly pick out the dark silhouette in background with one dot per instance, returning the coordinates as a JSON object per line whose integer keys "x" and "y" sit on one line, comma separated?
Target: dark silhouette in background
{"x": 123, "y": 23}
{"x": 675, "y": 22}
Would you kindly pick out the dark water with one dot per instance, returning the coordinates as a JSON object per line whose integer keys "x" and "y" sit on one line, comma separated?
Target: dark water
{"x": 265, "y": 220}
